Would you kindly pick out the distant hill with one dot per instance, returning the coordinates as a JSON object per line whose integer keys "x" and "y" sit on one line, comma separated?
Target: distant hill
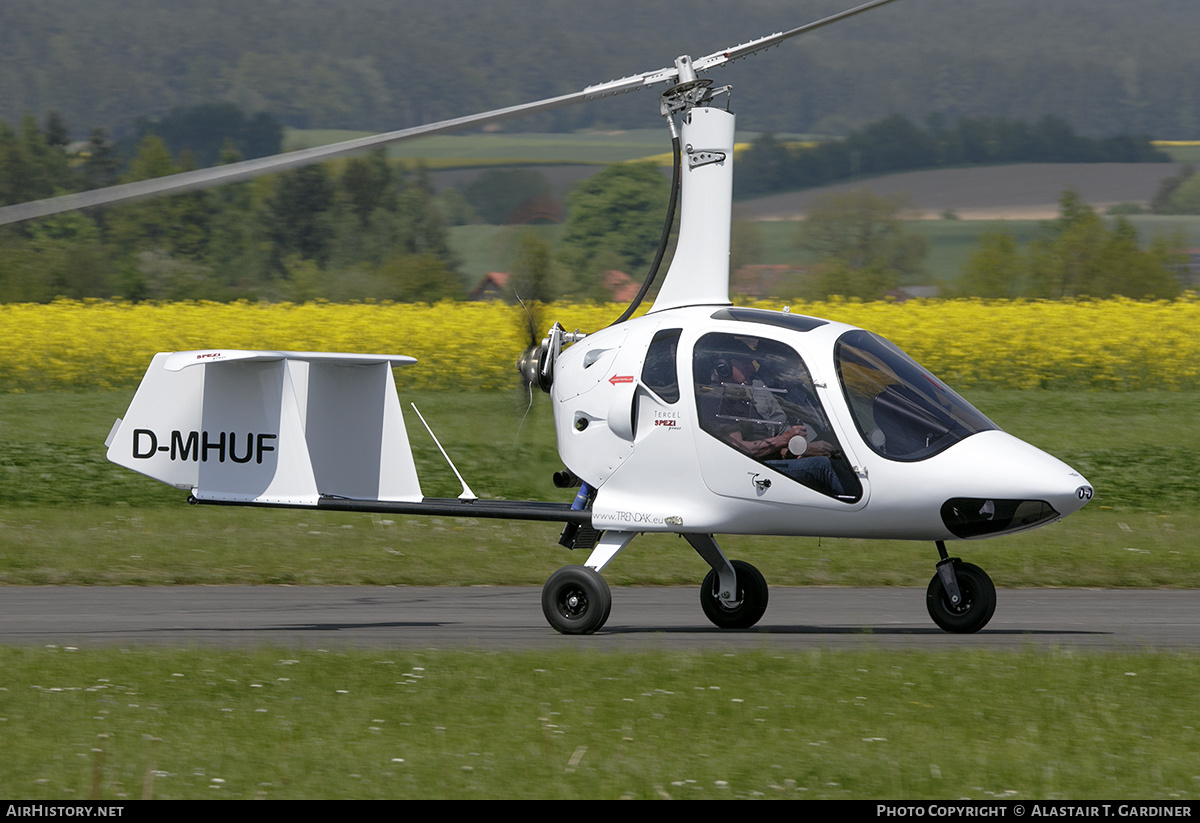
{"x": 1105, "y": 66}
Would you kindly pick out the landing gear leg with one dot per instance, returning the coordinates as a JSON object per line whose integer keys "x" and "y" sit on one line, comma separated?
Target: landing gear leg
{"x": 734, "y": 594}
{"x": 961, "y": 598}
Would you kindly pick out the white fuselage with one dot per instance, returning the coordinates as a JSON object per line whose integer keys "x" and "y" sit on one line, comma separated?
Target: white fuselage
{"x": 655, "y": 469}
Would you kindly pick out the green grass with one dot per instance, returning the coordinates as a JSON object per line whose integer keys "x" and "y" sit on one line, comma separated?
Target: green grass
{"x": 178, "y": 544}
{"x": 67, "y": 516}
{"x": 1183, "y": 154}
{"x": 284, "y": 724}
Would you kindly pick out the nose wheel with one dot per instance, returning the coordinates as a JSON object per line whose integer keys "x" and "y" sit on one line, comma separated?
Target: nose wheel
{"x": 735, "y": 610}
{"x": 970, "y": 607}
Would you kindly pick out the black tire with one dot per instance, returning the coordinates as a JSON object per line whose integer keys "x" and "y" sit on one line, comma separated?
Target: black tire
{"x": 751, "y": 594}
{"x": 576, "y": 600}
{"x": 978, "y": 600}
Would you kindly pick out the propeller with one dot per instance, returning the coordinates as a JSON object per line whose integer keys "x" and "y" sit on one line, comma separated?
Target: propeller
{"x": 530, "y": 361}
{"x": 683, "y": 75}
{"x": 536, "y": 363}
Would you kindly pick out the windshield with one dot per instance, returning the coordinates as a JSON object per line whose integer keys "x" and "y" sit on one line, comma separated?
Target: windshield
{"x": 902, "y": 411}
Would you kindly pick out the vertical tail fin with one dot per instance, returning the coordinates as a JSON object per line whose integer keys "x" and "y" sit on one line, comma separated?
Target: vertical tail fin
{"x": 270, "y": 427}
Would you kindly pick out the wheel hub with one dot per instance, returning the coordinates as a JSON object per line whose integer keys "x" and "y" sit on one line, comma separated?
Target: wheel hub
{"x": 574, "y": 603}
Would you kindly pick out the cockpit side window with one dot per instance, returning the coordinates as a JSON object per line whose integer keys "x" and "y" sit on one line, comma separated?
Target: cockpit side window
{"x": 756, "y": 395}
{"x": 659, "y": 373}
{"x": 902, "y": 411}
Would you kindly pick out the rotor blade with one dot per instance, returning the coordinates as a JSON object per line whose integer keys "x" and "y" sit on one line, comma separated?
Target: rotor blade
{"x": 246, "y": 169}
{"x": 720, "y": 58}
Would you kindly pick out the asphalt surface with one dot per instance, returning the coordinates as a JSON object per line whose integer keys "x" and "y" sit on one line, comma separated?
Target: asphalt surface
{"x": 510, "y": 618}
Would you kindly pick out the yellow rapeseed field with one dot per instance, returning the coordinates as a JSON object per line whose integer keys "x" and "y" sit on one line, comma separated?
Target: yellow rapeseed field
{"x": 1108, "y": 344}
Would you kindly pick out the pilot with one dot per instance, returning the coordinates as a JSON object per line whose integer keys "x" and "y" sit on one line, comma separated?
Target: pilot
{"x": 742, "y": 410}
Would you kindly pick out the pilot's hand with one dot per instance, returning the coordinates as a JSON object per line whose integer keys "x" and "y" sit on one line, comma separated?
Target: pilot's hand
{"x": 780, "y": 441}
{"x": 819, "y": 448}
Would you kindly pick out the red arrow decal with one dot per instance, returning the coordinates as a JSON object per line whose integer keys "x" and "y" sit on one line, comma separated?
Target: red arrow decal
{"x": 620, "y": 378}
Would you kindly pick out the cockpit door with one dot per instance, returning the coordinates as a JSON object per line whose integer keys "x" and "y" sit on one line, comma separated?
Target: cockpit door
{"x": 763, "y": 430}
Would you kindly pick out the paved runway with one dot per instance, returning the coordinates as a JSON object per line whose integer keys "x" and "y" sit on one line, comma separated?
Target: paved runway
{"x": 504, "y": 618}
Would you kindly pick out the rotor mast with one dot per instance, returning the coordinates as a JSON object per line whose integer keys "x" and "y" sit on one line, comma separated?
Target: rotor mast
{"x": 699, "y": 271}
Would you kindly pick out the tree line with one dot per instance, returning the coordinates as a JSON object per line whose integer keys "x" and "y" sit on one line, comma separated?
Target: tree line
{"x": 352, "y": 229}
{"x": 1076, "y": 255}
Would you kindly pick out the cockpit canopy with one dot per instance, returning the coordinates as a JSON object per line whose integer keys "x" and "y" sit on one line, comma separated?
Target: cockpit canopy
{"x": 901, "y": 410}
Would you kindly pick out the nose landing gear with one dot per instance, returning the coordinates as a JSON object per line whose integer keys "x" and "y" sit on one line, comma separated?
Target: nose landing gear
{"x": 739, "y": 610}
{"x": 961, "y": 598}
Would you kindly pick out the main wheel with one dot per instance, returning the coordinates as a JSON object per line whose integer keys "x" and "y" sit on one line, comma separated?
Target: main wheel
{"x": 576, "y": 600}
{"x": 978, "y": 600}
{"x": 751, "y": 597}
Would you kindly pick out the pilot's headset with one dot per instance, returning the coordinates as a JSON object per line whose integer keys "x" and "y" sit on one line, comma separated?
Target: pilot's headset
{"x": 722, "y": 367}
{"x": 722, "y": 363}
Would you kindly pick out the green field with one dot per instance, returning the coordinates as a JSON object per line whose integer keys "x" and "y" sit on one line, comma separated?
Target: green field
{"x": 127, "y": 723}
{"x": 1183, "y": 154}
{"x": 951, "y": 243}
{"x": 484, "y": 248}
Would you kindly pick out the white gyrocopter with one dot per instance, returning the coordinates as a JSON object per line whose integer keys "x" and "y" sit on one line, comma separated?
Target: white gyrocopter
{"x": 697, "y": 418}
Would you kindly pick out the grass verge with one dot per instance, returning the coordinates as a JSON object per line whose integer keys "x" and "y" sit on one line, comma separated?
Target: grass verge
{"x": 166, "y": 545}
{"x": 117, "y": 724}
